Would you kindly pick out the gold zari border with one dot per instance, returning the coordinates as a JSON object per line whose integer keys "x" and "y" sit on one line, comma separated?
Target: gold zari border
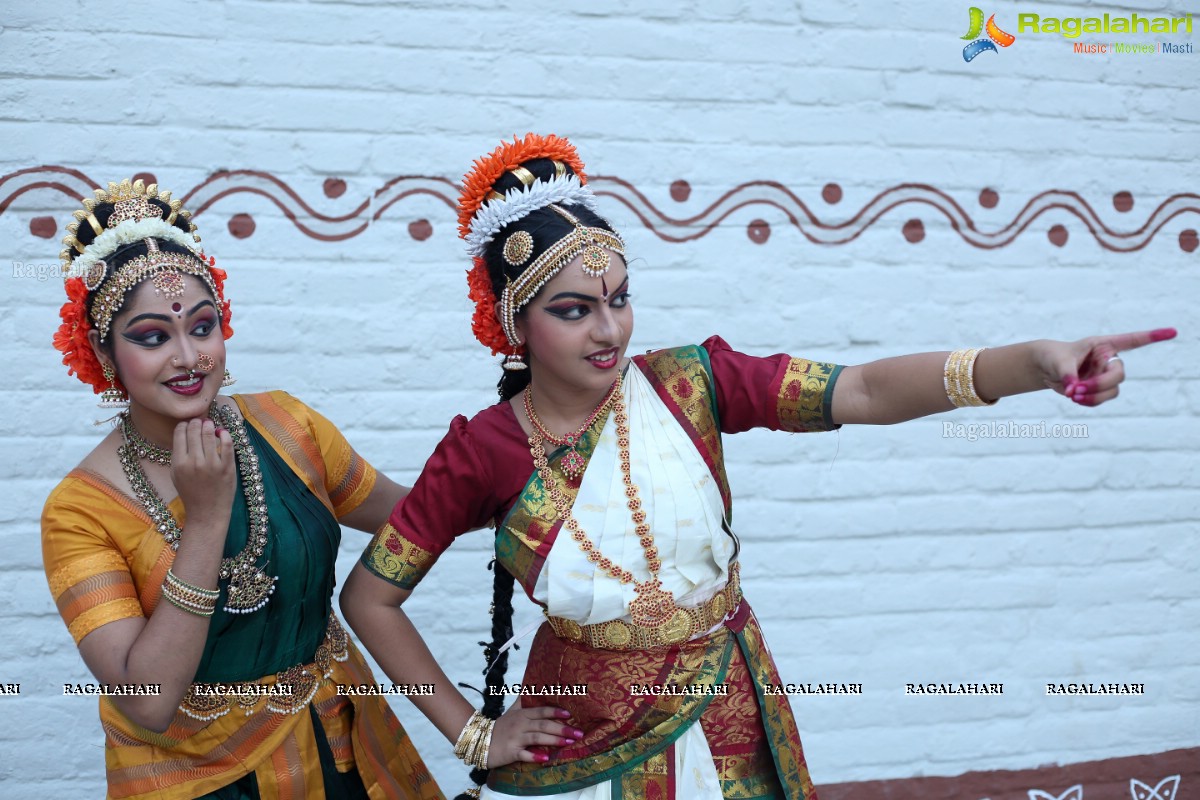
{"x": 396, "y": 559}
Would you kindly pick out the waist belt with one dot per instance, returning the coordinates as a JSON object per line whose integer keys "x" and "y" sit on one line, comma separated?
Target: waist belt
{"x": 684, "y": 624}
{"x": 286, "y": 692}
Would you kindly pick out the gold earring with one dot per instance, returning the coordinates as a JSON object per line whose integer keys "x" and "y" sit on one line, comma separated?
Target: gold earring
{"x": 228, "y": 380}
{"x": 515, "y": 361}
{"x": 112, "y": 397}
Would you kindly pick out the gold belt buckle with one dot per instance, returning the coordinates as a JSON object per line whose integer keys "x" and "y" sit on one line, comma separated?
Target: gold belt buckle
{"x": 683, "y": 625}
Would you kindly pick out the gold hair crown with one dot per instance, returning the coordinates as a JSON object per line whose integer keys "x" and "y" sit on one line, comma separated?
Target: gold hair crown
{"x": 131, "y": 200}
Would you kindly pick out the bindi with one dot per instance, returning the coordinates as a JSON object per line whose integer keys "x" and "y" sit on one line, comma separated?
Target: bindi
{"x": 177, "y": 307}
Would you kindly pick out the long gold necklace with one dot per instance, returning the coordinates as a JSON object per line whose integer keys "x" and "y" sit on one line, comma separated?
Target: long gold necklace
{"x": 654, "y": 605}
{"x": 250, "y": 587}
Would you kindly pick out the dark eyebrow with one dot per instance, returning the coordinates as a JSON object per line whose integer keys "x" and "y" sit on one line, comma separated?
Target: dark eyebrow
{"x": 165, "y": 318}
{"x": 572, "y": 296}
{"x": 586, "y": 297}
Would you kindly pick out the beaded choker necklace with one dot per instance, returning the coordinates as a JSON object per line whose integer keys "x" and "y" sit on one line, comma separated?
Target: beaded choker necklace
{"x": 654, "y": 606}
{"x": 143, "y": 449}
{"x": 249, "y": 586}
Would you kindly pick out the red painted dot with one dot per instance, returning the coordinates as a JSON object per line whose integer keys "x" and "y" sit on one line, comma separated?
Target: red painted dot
{"x": 1122, "y": 201}
{"x": 334, "y": 187}
{"x": 914, "y": 230}
{"x": 831, "y": 193}
{"x": 759, "y": 230}
{"x": 146, "y": 178}
{"x": 43, "y": 227}
{"x": 241, "y": 225}
{"x": 681, "y": 190}
{"x": 988, "y": 198}
{"x": 1188, "y": 241}
{"x": 420, "y": 229}
{"x": 1057, "y": 235}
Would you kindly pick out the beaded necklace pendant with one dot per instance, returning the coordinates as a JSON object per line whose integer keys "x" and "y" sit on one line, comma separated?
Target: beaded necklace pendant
{"x": 250, "y": 586}
{"x": 572, "y": 463}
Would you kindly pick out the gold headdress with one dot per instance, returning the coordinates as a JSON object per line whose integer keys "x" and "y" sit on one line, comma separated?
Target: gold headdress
{"x": 582, "y": 240}
{"x": 134, "y": 218}
{"x": 130, "y": 200}
{"x": 484, "y": 212}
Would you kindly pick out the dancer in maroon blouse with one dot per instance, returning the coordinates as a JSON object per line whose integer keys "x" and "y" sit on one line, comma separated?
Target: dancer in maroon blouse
{"x": 604, "y": 480}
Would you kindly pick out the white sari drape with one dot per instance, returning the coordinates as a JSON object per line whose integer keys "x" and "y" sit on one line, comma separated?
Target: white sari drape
{"x": 685, "y": 510}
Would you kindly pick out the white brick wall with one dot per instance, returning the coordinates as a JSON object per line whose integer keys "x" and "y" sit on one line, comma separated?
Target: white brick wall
{"x": 879, "y": 556}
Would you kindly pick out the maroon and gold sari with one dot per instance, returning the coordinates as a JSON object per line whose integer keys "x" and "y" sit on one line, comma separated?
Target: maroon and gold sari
{"x": 631, "y": 745}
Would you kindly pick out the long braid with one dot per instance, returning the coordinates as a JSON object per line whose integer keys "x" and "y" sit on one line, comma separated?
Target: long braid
{"x": 495, "y": 666}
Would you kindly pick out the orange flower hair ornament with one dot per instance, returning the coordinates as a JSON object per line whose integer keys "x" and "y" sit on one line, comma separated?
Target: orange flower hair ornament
{"x": 482, "y": 213}
{"x": 86, "y": 275}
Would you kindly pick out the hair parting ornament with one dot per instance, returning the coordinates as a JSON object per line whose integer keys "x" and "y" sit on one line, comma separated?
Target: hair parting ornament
{"x": 97, "y": 279}
{"x": 582, "y": 240}
{"x": 484, "y": 213}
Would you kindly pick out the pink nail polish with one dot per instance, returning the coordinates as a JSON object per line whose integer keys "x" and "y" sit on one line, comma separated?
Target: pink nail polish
{"x": 1161, "y": 334}
{"x": 541, "y": 758}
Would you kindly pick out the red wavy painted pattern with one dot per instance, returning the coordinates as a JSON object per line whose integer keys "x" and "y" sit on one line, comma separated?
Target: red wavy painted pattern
{"x": 912, "y": 204}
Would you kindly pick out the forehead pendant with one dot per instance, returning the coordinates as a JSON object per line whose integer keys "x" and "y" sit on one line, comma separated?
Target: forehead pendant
{"x": 595, "y": 260}
{"x": 168, "y": 284}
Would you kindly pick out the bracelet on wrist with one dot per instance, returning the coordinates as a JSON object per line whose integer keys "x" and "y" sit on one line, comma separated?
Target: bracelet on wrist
{"x": 958, "y": 377}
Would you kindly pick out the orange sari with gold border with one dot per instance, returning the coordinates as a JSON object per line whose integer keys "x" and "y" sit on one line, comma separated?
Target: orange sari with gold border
{"x": 105, "y": 561}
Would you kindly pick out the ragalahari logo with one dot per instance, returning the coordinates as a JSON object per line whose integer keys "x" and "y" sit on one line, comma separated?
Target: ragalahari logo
{"x": 994, "y": 37}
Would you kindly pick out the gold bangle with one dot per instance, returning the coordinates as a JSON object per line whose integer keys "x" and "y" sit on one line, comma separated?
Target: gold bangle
{"x": 189, "y": 595}
{"x": 193, "y": 599}
{"x": 474, "y": 741}
{"x": 464, "y": 736}
{"x": 184, "y": 604}
{"x": 483, "y": 741}
{"x": 955, "y": 385}
{"x": 958, "y": 377}
{"x": 180, "y": 583}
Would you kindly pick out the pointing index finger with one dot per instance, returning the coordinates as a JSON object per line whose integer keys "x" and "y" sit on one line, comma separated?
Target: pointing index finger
{"x": 1128, "y": 341}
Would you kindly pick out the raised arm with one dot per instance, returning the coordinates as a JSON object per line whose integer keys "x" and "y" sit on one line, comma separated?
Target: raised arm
{"x": 891, "y": 390}
{"x": 166, "y": 648}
